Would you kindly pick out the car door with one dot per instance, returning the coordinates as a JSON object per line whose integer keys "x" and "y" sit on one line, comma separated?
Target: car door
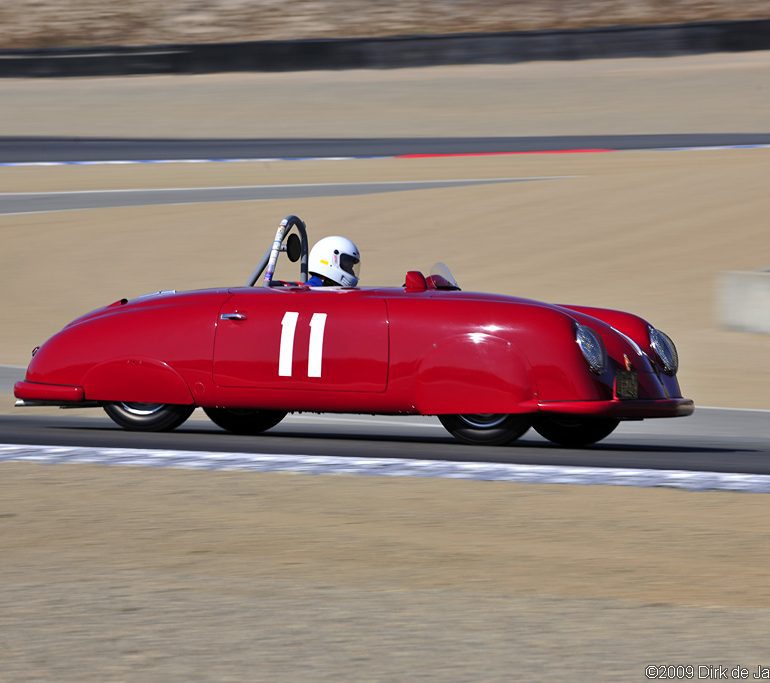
{"x": 311, "y": 339}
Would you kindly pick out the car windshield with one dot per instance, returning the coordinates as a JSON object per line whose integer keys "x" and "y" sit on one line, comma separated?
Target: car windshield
{"x": 442, "y": 277}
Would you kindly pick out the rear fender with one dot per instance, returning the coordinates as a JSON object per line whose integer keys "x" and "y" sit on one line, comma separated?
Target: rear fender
{"x": 143, "y": 380}
{"x": 474, "y": 373}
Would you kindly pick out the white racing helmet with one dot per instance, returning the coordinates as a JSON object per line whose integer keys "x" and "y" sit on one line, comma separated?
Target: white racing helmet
{"x": 336, "y": 259}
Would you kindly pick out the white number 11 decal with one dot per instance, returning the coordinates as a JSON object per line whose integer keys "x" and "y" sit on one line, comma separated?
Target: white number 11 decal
{"x": 315, "y": 348}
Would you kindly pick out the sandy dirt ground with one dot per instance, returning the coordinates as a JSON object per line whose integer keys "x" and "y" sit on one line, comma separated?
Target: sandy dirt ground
{"x": 702, "y": 94}
{"x": 121, "y": 574}
{"x": 113, "y": 574}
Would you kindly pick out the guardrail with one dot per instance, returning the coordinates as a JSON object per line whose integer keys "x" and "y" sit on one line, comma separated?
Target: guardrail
{"x": 391, "y": 52}
{"x": 743, "y": 300}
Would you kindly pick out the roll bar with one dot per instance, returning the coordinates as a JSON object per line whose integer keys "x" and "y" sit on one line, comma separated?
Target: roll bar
{"x": 270, "y": 258}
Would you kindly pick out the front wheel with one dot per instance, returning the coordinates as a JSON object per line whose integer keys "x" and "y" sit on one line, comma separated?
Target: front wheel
{"x": 148, "y": 417}
{"x": 244, "y": 421}
{"x": 574, "y": 432}
{"x": 486, "y": 429}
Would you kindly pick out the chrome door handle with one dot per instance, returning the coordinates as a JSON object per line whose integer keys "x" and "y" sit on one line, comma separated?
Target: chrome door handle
{"x": 232, "y": 316}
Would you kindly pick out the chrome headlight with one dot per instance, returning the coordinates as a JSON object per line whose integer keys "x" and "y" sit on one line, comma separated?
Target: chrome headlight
{"x": 592, "y": 348}
{"x": 665, "y": 351}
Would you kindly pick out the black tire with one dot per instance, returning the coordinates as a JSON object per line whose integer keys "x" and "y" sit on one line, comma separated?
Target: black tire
{"x": 148, "y": 417}
{"x": 574, "y": 432}
{"x": 486, "y": 429}
{"x": 244, "y": 421}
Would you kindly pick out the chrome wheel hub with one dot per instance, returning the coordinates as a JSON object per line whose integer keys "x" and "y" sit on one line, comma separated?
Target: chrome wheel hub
{"x": 142, "y": 409}
{"x": 484, "y": 420}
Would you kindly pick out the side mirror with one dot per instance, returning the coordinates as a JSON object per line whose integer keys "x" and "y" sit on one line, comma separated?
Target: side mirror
{"x": 293, "y": 247}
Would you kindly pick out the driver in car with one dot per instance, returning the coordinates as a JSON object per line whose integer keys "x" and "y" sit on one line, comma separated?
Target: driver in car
{"x": 334, "y": 261}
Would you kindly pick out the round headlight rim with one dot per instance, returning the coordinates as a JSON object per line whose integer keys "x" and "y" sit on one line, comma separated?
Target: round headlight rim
{"x": 658, "y": 341}
{"x": 596, "y": 366}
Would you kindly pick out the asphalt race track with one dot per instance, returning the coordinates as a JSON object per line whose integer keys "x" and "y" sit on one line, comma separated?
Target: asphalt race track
{"x": 713, "y": 440}
{"x": 53, "y": 149}
{"x": 15, "y": 203}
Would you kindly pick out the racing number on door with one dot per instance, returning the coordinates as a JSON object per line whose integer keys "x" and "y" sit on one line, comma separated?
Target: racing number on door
{"x": 286, "y": 354}
{"x": 316, "y": 346}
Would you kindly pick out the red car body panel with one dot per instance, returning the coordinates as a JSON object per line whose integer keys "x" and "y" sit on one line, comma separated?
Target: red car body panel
{"x": 354, "y": 348}
{"x": 372, "y": 350}
{"x": 151, "y": 347}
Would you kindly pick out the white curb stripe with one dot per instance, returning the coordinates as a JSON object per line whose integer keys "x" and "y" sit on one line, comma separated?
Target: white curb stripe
{"x": 389, "y": 467}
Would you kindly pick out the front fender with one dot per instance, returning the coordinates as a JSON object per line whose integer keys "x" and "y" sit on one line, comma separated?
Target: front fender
{"x": 474, "y": 373}
{"x": 143, "y": 380}
{"x": 629, "y": 324}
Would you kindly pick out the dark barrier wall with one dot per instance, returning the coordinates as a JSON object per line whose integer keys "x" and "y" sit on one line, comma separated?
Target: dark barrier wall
{"x": 391, "y": 52}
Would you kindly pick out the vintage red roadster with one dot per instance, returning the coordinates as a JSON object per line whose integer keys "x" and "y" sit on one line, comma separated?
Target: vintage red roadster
{"x": 488, "y": 366}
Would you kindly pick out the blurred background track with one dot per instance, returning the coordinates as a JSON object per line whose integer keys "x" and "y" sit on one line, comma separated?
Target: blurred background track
{"x": 47, "y": 149}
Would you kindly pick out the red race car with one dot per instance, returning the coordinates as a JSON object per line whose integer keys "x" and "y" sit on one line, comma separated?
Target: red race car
{"x": 488, "y": 366}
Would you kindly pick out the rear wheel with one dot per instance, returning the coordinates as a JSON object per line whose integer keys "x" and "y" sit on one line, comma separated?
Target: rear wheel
{"x": 488, "y": 429}
{"x": 244, "y": 421}
{"x": 574, "y": 432}
{"x": 148, "y": 417}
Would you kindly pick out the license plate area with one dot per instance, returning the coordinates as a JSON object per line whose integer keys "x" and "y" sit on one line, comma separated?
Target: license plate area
{"x": 626, "y": 385}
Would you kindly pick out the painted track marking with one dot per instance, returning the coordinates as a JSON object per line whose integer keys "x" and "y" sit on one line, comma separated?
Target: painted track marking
{"x": 390, "y": 467}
